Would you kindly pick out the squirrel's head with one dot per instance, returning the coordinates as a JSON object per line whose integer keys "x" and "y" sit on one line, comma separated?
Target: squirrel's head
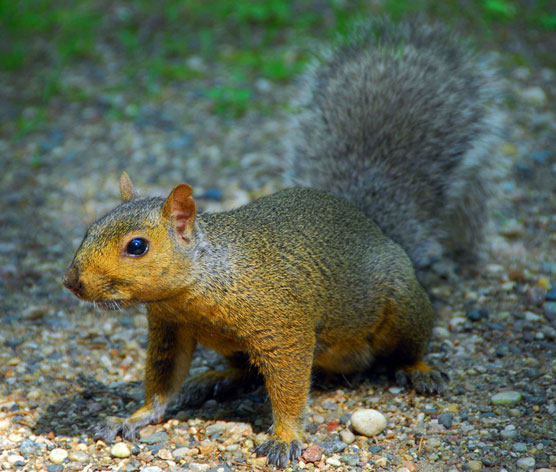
{"x": 129, "y": 255}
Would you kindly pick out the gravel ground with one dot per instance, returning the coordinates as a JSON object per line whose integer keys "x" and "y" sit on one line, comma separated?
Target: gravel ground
{"x": 64, "y": 365}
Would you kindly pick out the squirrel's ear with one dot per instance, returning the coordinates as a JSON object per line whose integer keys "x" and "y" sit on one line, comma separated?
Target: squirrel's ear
{"x": 179, "y": 208}
{"x": 126, "y": 188}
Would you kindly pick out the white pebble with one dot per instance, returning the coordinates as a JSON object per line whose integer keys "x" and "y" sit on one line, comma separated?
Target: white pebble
{"x": 196, "y": 467}
{"x": 180, "y": 452}
{"x": 13, "y": 458}
{"x": 347, "y": 436}
{"x": 333, "y": 461}
{"x": 368, "y": 422}
{"x": 120, "y": 450}
{"x": 58, "y": 455}
{"x": 535, "y": 95}
{"x": 526, "y": 463}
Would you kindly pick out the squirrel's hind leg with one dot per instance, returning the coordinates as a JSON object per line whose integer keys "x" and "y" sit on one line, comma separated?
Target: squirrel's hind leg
{"x": 219, "y": 384}
{"x": 423, "y": 378}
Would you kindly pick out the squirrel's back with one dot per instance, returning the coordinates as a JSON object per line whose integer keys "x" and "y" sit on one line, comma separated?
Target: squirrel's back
{"x": 401, "y": 120}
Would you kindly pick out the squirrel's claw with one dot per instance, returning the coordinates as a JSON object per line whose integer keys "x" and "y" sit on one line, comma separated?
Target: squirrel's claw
{"x": 425, "y": 382}
{"x": 112, "y": 427}
{"x": 279, "y": 452}
{"x": 109, "y": 429}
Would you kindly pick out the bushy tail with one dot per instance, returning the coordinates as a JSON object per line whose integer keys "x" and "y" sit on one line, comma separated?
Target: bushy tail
{"x": 402, "y": 121}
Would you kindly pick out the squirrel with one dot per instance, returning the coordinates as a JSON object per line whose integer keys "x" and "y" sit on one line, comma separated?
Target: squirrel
{"x": 392, "y": 152}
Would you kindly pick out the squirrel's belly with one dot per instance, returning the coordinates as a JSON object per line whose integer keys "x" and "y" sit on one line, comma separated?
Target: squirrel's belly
{"x": 348, "y": 355}
{"x": 219, "y": 342}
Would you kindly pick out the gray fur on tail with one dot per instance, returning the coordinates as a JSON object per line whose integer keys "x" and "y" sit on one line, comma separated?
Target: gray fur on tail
{"x": 402, "y": 121}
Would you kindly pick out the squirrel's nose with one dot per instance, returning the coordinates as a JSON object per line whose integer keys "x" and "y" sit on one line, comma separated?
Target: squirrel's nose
{"x": 71, "y": 280}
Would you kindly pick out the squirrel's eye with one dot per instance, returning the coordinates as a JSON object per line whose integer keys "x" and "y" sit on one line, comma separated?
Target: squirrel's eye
{"x": 137, "y": 247}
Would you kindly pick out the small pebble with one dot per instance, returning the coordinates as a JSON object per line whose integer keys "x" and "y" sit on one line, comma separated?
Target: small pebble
{"x": 519, "y": 447}
{"x": 368, "y": 422}
{"x": 58, "y": 455}
{"x": 155, "y": 438}
{"x": 534, "y": 95}
{"x": 526, "y": 463}
{"x": 551, "y": 295}
{"x": 30, "y": 447}
{"x": 121, "y": 450}
{"x": 350, "y": 459}
{"x": 215, "y": 428}
{"x": 312, "y": 453}
{"x": 332, "y": 447}
{"x": 549, "y": 309}
{"x": 446, "y": 420}
{"x": 474, "y": 465}
{"x": 333, "y": 461}
{"x": 151, "y": 468}
{"x": 79, "y": 456}
{"x": 347, "y": 436}
{"x": 536, "y": 296}
{"x": 180, "y": 452}
{"x": 474, "y": 315}
{"x": 506, "y": 398}
{"x": 509, "y": 432}
{"x": 196, "y": 467}
{"x": 13, "y": 459}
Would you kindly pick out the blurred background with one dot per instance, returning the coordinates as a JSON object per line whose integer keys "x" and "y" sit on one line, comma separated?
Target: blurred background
{"x": 226, "y": 54}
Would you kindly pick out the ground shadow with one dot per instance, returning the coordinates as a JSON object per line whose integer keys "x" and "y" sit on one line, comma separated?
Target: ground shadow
{"x": 77, "y": 414}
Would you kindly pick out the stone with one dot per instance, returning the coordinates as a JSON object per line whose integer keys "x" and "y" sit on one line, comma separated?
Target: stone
{"x": 30, "y": 447}
{"x": 197, "y": 467}
{"x": 151, "y": 468}
{"x": 534, "y": 95}
{"x": 474, "y": 465}
{"x": 509, "y": 432}
{"x": 79, "y": 456}
{"x": 180, "y": 453}
{"x": 221, "y": 468}
{"x": 347, "y": 436}
{"x": 549, "y": 309}
{"x": 164, "y": 454}
{"x": 121, "y": 450}
{"x": 216, "y": 428}
{"x": 332, "y": 447}
{"x": 519, "y": 447}
{"x": 474, "y": 315}
{"x": 16, "y": 459}
{"x": 551, "y": 295}
{"x": 506, "y": 398}
{"x": 350, "y": 459}
{"x": 333, "y": 462}
{"x": 58, "y": 455}
{"x": 155, "y": 438}
{"x": 312, "y": 453}
{"x": 526, "y": 463}
{"x": 536, "y": 296}
{"x": 368, "y": 422}
{"x": 446, "y": 420}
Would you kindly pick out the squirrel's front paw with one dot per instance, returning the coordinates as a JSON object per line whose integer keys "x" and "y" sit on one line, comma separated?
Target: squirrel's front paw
{"x": 279, "y": 452}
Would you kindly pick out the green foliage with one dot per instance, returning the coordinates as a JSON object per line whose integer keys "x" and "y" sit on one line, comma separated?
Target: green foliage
{"x": 251, "y": 39}
{"x": 230, "y": 100}
{"x": 70, "y": 28}
{"x": 500, "y": 10}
